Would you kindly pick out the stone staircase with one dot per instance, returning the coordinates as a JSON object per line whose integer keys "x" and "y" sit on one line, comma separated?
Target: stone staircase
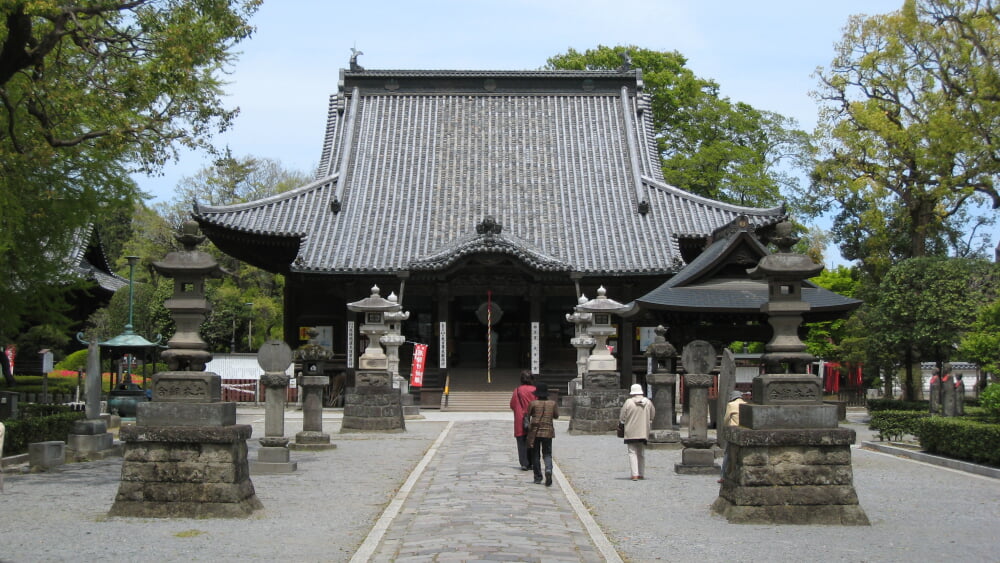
{"x": 477, "y": 401}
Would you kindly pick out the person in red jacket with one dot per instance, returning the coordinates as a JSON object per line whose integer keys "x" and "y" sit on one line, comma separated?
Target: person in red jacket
{"x": 519, "y": 401}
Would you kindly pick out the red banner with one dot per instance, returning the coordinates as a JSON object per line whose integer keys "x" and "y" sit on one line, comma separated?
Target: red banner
{"x": 11, "y": 352}
{"x": 417, "y": 367}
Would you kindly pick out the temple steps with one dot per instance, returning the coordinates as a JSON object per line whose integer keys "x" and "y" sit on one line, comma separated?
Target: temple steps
{"x": 477, "y": 401}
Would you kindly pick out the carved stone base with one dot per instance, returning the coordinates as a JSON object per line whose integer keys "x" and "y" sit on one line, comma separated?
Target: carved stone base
{"x": 312, "y": 440}
{"x": 799, "y": 476}
{"x": 596, "y": 411}
{"x": 185, "y": 472}
{"x": 272, "y": 460}
{"x": 376, "y": 409}
{"x": 697, "y": 461}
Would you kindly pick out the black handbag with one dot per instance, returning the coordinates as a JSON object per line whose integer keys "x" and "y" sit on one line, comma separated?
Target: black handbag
{"x": 621, "y": 430}
{"x": 526, "y": 421}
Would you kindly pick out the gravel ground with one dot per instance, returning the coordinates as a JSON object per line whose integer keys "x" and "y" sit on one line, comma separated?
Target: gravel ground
{"x": 324, "y": 510}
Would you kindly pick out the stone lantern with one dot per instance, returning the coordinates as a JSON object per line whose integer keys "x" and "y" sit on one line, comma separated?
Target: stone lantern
{"x": 373, "y": 404}
{"x": 597, "y": 405}
{"x": 789, "y": 462}
{"x": 186, "y": 456}
{"x": 581, "y": 340}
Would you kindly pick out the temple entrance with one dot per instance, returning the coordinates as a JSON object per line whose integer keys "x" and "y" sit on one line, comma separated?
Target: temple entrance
{"x": 506, "y": 346}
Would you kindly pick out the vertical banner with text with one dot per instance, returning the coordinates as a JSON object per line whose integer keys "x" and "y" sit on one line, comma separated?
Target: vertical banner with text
{"x": 417, "y": 367}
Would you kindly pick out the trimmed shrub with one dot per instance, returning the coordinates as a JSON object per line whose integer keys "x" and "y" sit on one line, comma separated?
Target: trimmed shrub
{"x": 897, "y": 405}
{"x": 960, "y": 438}
{"x": 893, "y": 425}
{"x": 26, "y": 431}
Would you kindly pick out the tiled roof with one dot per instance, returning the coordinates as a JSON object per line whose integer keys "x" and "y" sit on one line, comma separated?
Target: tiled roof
{"x": 410, "y": 167}
{"x": 87, "y": 261}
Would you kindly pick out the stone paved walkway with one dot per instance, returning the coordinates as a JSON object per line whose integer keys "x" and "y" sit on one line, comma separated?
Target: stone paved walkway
{"x": 467, "y": 501}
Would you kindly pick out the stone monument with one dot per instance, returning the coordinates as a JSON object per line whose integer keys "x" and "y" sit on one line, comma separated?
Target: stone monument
{"x": 789, "y": 462}
{"x": 597, "y": 406}
{"x": 90, "y": 438}
{"x": 373, "y": 404}
{"x": 185, "y": 456}
{"x": 663, "y": 380}
{"x": 274, "y": 357}
{"x": 697, "y": 457}
{"x": 727, "y": 384}
{"x": 392, "y": 340}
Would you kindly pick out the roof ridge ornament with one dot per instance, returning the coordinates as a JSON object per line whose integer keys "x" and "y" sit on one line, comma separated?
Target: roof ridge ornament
{"x": 626, "y": 61}
{"x": 489, "y": 226}
{"x": 355, "y": 67}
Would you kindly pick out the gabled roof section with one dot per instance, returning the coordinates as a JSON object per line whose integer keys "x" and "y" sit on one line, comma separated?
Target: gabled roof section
{"x": 565, "y": 160}
{"x": 718, "y": 281}
{"x": 489, "y": 239}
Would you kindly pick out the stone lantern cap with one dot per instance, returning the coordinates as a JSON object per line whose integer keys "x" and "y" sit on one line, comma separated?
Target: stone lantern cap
{"x": 189, "y": 261}
{"x": 603, "y": 304}
{"x": 785, "y": 264}
{"x": 374, "y": 303}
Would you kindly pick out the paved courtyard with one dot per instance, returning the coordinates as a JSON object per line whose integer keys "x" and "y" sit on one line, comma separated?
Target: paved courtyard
{"x": 450, "y": 489}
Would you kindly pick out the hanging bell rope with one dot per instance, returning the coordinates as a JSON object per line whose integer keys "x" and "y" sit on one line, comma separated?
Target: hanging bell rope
{"x": 489, "y": 336}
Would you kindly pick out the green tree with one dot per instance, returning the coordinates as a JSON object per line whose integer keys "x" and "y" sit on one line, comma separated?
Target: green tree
{"x": 981, "y": 343}
{"x": 824, "y": 338}
{"x": 90, "y": 93}
{"x": 923, "y": 307}
{"x": 907, "y": 131}
{"x": 709, "y": 145}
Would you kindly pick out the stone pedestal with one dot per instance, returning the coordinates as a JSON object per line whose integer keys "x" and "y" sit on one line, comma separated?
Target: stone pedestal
{"x": 663, "y": 434}
{"x": 44, "y": 456}
{"x": 597, "y": 406}
{"x": 90, "y": 439}
{"x": 787, "y": 476}
{"x": 185, "y": 457}
{"x": 697, "y": 458}
{"x": 372, "y": 407}
{"x": 312, "y": 436}
{"x": 185, "y": 472}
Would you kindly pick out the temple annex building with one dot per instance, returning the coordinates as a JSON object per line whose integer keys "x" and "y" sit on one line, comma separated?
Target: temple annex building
{"x": 475, "y": 197}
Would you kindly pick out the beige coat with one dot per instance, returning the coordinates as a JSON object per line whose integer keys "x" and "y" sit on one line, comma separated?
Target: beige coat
{"x": 637, "y": 415}
{"x": 732, "y": 417}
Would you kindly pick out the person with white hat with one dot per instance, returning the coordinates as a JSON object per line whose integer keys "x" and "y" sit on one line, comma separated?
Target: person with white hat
{"x": 637, "y": 419}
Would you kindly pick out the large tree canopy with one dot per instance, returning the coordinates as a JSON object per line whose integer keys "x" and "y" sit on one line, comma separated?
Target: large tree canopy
{"x": 710, "y": 146}
{"x": 910, "y": 110}
{"x": 91, "y": 92}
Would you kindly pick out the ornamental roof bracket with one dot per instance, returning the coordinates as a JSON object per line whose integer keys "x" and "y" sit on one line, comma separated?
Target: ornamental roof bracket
{"x": 345, "y": 158}
{"x": 642, "y": 198}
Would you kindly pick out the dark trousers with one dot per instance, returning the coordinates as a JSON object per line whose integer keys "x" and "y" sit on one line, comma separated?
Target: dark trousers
{"x": 543, "y": 446}
{"x": 523, "y": 451}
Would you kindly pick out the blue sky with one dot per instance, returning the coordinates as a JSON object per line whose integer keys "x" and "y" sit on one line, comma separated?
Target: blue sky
{"x": 763, "y": 53}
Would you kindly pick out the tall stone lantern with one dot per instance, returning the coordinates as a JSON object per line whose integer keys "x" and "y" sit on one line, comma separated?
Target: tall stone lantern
{"x": 581, "y": 340}
{"x": 789, "y": 462}
{"x": 597, "y": 405}
{"x": 373, "y": 404}
{"x": 186, "y": 456}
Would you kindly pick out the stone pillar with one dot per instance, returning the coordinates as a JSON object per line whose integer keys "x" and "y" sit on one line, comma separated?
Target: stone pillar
{"x": 312, "y": 436}
{"x": 664, "y": 383}
{"x": 697, "y": 457}
{"x": 274, "y": 358}
{"x": 90, "y": 438}
{"x": 788, "y": 462}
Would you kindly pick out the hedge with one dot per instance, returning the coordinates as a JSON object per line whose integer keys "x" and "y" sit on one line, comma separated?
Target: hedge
{"x": 960, "y": 438}
{"x": 897, "y": 405}
{"x": 893, "y": 425}
{"x": 24, "y": 431}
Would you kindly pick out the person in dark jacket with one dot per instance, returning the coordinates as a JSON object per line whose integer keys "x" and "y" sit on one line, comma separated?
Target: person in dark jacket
{"x": 519, "y": 401}
{"x": 541, "y": 432}
{"x": 637, "y": 416}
